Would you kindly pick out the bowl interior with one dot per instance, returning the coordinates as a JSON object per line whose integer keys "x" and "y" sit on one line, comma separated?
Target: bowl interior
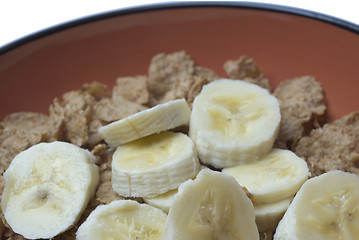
{"x": 284, "y": 46}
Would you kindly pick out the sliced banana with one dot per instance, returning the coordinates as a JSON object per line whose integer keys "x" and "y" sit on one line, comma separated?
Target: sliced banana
{"x": 47, "y": 187}
{"x": 276, "y": 176}
{"x": 153, "y": 165}
{"x": 233, "y": 122}
{"x": 162, "y": 201}
{"x": 213, "y": 206}
{"x": 125, "y": 220}
{"x": 325, "y": 208}
{"x": 268, "y": 215}
{"x": 154, "y": 120}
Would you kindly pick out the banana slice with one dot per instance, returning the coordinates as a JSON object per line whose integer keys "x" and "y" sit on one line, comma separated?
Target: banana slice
{"x": 162, "y": 201}
{"x": 325, "y": 208}
{"x": 268, "y": 215}
{"x": 47, "y": 187}
{"x": 154, "y": 120}
{"x": 125, "y": 220}
{"x": 153, "y": 165}
{"x": 233, "y": 122}
{"x": 213, "y": 206}
{"x": 276, "y": 176}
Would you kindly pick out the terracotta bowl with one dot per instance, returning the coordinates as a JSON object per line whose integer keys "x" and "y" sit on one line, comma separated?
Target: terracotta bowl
{"x": 285, "y": 42}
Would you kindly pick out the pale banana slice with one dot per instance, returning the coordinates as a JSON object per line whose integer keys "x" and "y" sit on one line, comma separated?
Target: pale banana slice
{"x": 278, "y": 175}
{"x": 125, "y": 220}
{"x": 233, "y": 122}
{"x": 47, "y": 187}
{"x": 268, "y": 215}
{"x": 213, "y": 206}
{"x": 154, "y": 120}
{"x": 325, "y": 208}
{"x": 153, "y": 165}
{"x": 162, "y": 201}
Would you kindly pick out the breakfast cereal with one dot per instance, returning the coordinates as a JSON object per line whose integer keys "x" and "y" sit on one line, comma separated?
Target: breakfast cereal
{"x": 174, "y": 76}
{"x": 246, "y": 68}
{"x": 303, "y": 108}
{"x": 334, "y": 146}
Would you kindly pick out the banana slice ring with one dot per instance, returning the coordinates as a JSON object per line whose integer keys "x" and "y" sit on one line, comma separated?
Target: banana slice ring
{"x": 47, "y": 187}
{"x": 123, "y": 219}
{"x": 213, "y": 206}
{"x": 153, "y": 165}
{"x": 233, "y": 122}
{"x": 159, "y": 118}
{"x": 326, "y": 207}
{"x": 276, "y": 176}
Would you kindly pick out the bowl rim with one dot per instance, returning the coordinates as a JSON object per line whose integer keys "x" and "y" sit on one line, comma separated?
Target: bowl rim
{"x": 352, "y": 27}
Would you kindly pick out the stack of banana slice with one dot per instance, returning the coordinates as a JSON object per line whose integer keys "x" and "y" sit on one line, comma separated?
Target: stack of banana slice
{"x": 149, "y": 160}
{"x": 273, "y": 181}
{"x": 232, "y": 127}
{"x": 233, "y": 122}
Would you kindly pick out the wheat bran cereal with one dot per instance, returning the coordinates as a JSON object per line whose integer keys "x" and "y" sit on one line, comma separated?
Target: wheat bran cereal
{"x": 245, "y": 68}
{"x": 133, "y": 89}
{"x": 164, "y": 71}
{"x": 175, "y": 76}
{"x": 334, "y": 146}
{"x": 21, "y": 130}
{"x": 303, "y": 107}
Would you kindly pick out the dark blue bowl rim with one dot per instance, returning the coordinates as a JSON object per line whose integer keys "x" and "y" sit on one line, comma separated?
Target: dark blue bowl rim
{"x": 171, "y": 5}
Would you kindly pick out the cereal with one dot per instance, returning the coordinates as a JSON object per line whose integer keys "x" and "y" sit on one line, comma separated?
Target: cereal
{"x": 303, "y": 108}
{"x": 334, "y": 146}
{"x": 175, "y": 76}
{"x": 246, "y": 68}
{"x": 97, "y": 90}
{"x": 107, "y": 110}
{"x": 72, "y": 115}
{"x": 205, "y": 73}
{"x": 20, "y": 131}
{"x": 187, "y": 88}
{"x": 104, "y": 193}
{"x": 164, "y": 73}
{"x": 133, "y": 89}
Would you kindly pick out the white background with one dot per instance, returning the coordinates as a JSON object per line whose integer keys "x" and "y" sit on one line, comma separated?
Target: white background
{"x": 19, "y": 18}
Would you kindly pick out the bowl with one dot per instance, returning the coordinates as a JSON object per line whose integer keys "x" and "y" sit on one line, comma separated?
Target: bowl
{"x": 285, "y": 42}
